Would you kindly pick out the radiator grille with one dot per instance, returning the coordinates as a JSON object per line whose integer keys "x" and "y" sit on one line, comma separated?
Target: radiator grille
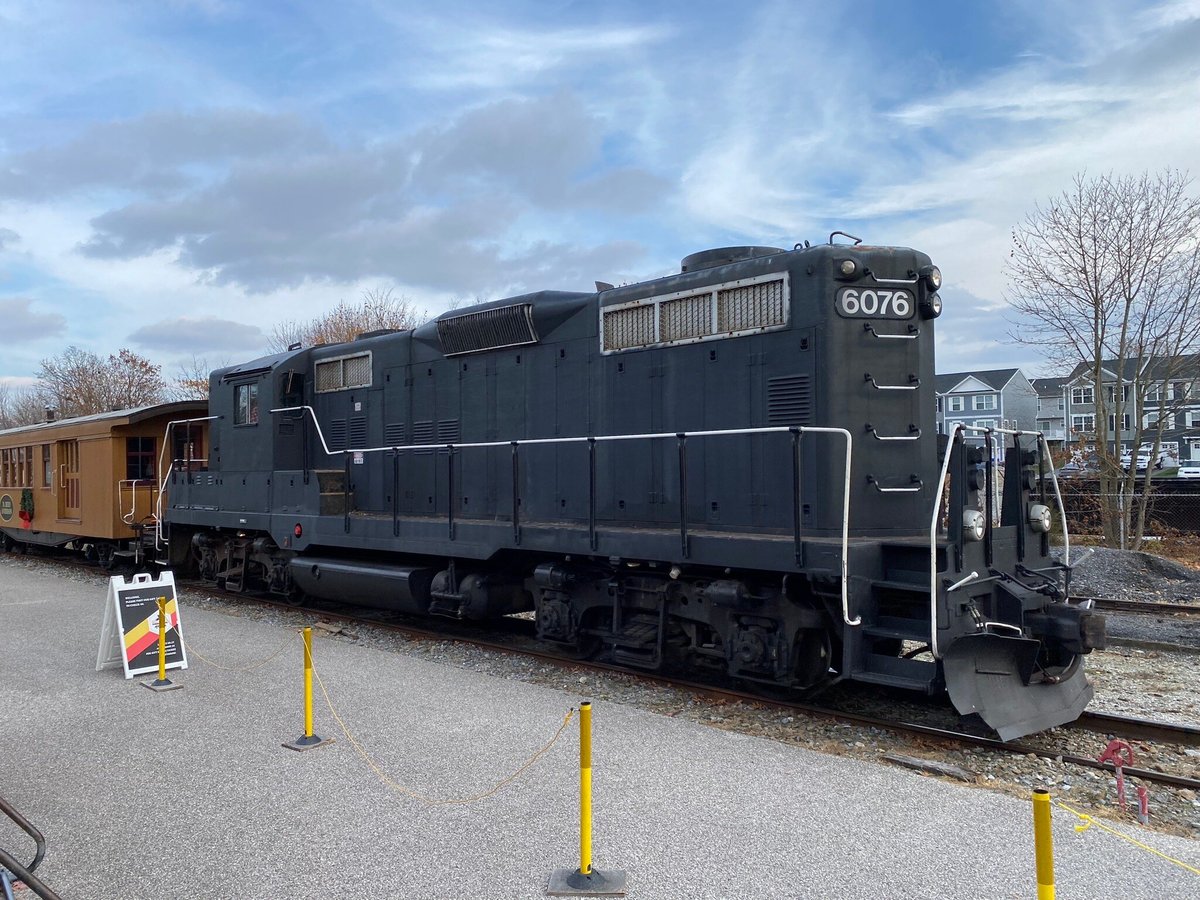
{"x": 789, "y": 400}
{"x": 358, "y": 432}
{"x": 722, "y": 311}
{"x": 448, "y": 431}
{"x": 393, "y": 434}
{"x": 753, "y": 306}
{"x": 488, "y": 329}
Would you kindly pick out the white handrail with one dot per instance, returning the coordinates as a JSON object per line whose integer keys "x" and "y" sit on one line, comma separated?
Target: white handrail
{"x": 857, "y": 620}
{"x": 158, "y": 538}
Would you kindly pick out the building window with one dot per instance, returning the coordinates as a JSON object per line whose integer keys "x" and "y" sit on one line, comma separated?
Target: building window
{"x": 1045, "y": 425}
{"x": 984, "y": 423}
{"x": 939, "y": 404}
{"x": 1083, "y": 395}
{"x": 246, "y": 406}
{"x": 1112, "y": 422}
{"x": 1083, "y": 424}
{"x": 139, "y": 458}
{"x": 47, "y": 469}
{"x": 956, "y": 404}
{"x": 1111, "y": 393}
{"x": 984, "y": 401}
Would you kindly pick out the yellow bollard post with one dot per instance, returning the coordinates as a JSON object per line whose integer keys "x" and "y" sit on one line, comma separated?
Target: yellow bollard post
{"x": 585, "y": 788}
{"x": 1043, "y": 845}
{"x": 585, "y": 881}
{"x": 162, "y": 683}
{"x": 308, "y": 740}
{"x": 162, "y": 639}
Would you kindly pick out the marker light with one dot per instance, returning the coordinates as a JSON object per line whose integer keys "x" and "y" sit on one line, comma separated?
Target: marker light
{"x": 1039, "y": 518}
{"x": 298, "y": 530}
{"x": 847, "y": 267}
{"x": 932, "y": 276}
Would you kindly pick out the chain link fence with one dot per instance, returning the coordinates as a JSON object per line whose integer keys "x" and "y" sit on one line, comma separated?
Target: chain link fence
{"x": 1172, "y": 508}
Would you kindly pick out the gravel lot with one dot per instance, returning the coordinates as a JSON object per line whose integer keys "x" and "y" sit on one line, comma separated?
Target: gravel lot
{"x": 1153, "y": 683}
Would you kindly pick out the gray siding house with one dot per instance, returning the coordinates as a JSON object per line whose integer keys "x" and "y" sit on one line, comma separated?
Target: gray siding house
{"x": 998, "y": 398}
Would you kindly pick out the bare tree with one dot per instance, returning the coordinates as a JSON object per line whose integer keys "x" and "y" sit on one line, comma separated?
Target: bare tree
{"x": 20, "y": 406}
{"x": 78, "y": 382}
{"x": 191, "y": 379}
{"x": 376, "y": 310}
{"x": 1105, "y": 277}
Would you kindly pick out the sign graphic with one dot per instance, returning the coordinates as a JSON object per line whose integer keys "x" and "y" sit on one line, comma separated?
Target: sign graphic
{"x": 6, "y": 508}
{"x": 129, "y": 634}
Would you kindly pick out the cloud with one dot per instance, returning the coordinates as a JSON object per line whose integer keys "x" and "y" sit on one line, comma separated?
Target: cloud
{"x": 8, "y": 237}
{"x": 21, "y": 323}
{"x": 204, "y": 335}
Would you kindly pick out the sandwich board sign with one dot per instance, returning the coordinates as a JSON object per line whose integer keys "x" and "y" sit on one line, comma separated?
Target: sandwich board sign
{"x": 129, "y": 635}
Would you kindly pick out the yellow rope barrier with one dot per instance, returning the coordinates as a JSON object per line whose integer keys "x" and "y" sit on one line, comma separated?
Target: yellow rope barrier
{"x": 1089, "y": 821}
{"x": 249, "y": 668}
{"x": 461, "y": 801}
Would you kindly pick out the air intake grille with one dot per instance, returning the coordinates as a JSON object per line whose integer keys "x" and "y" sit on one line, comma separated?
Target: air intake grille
{"x": 423, "y": 433}
{"x": 746, "y": 306}
{"x": 344, "y": 372}
{"x": 393, "y": 434}
{"x": 358, "y": 432}
{"x": 789, "y": 400}
{"x": 448, "y": 431}
{"x": 687, "y": 317}
{"x": 489, "y": 329}
{"x": 629, "y": 327}
{"x": 337, "y": 434}
{"x": 754, "y": 306}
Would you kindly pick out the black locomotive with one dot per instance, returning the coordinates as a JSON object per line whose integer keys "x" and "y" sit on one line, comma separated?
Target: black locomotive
{"x": 735, "y": 467}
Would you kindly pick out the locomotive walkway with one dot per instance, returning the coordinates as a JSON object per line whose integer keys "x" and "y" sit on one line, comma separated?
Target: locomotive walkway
{"x": 189, "y": 793}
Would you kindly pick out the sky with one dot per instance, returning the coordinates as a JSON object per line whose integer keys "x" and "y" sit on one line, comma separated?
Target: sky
{"x": 179, "y": 176}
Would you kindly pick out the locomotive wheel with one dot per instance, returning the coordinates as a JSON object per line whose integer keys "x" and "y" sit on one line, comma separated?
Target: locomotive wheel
{"x": 106, "y": 553}
{"x": 6, "y": 543}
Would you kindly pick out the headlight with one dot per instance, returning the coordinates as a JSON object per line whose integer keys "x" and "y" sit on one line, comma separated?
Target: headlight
{"x": 932, "y": 276}
{"x": 973, "y": 524}
{"x": 931, "y": 306}
{"x": 847, "y": 268}
{"x": 1039, "y": 518}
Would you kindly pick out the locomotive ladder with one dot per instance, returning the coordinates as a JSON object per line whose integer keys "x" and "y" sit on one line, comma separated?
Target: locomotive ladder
{"x": 681, "y": 437}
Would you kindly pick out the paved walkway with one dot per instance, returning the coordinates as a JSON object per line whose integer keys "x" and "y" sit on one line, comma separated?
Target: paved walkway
{"x": 188, "y": 793}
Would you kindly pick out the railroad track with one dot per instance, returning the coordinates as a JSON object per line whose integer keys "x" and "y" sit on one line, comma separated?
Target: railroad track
{"x": 1145, "y": 607}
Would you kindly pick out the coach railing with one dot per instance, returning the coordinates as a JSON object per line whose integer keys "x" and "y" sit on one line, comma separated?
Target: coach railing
{"x": 131, "y": 487}
{"x": 681, "y": 437}
{"x": 937, "y": 508}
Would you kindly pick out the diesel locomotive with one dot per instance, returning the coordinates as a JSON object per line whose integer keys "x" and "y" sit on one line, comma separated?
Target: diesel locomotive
{"x": 733, "y": 468}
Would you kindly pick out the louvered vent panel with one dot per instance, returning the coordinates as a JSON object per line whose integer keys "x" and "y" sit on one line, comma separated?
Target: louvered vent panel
{"x": 423, "y": 433}
{"x": 752, "y": 306}
{"x": 789, "y": 400}
{"x": 489, "y": 329}
{"x": 687, "y": 317}
{"x": 393, "y": 434}
{"x": 329, "y": 375}
{"x": 448, "y": 431}
{"x": 631, "y": 327}
{"x": 358, "y": 371}
{"x": 337, "y": 434}
{"x": 358, "y": 432}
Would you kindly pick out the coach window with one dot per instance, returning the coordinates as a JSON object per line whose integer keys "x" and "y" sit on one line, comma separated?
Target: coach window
{"x": 139, "y": 458}
{"x": 246, "y": 408}
{"x": 47, "y": 469}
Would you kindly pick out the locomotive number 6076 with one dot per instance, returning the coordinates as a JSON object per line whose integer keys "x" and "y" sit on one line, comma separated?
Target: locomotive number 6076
{"x": 858, "y": 303}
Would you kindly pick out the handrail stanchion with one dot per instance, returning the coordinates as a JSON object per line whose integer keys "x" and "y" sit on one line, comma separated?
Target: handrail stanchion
{"x": 585, "y": 881}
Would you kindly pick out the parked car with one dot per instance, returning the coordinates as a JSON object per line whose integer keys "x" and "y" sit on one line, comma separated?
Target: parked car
{"x": 1189, "y": 471}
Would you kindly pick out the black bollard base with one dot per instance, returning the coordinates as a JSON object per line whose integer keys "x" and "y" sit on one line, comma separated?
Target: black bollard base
{"x": 308, "y": 742}
{"x": 572, "y": 883}
{"x": 161, "y": 685}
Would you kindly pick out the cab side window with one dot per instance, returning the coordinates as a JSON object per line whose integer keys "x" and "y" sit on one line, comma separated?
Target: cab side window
{"x": 245, "y": 410}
